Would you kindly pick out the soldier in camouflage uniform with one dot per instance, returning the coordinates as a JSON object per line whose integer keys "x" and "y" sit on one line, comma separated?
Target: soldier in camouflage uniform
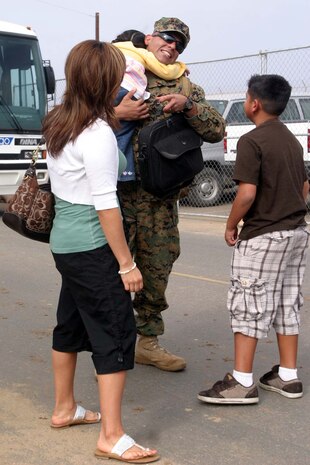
{"x": 153, "y": 223}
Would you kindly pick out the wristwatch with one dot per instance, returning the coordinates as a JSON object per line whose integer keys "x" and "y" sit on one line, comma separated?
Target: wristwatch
{"x": 188, "y": 105}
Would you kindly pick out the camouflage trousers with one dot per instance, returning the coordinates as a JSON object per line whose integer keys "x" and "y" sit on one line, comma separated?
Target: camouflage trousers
{"x": 153, "y": 236}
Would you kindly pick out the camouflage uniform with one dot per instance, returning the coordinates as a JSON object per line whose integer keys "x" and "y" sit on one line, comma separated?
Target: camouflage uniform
{"x": 152, "y": 223}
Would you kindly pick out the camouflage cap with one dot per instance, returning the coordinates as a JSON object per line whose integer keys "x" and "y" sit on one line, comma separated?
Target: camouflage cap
{"x": 173, "y": 25}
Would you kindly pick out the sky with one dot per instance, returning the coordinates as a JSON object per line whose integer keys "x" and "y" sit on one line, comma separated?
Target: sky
{"x": 219, "y": 29}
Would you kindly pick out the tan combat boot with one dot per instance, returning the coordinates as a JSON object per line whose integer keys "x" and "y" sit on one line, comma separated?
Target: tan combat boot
{"x": 149, "y": 352}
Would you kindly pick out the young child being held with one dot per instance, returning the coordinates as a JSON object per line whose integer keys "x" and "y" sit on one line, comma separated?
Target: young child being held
{"x": 269, "y": 255}
{"x": 138, "y": 59}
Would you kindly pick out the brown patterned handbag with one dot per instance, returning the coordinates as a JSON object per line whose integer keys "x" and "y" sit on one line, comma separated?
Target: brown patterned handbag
{"x": 31, "y": 210}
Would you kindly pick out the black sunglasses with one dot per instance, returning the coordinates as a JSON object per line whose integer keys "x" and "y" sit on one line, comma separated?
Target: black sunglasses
{"x": 170, "y": 39}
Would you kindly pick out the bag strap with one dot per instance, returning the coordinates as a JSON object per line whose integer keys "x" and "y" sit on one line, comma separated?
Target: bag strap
{"x": 186, "y": 86}
{"x": 35, "y": 152}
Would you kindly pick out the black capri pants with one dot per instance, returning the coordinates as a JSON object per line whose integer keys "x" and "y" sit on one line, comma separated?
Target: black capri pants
{"x": 95, "y": 311}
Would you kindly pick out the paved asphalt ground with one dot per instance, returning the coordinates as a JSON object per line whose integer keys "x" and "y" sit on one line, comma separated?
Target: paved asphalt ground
{"x": 160, "y": 409}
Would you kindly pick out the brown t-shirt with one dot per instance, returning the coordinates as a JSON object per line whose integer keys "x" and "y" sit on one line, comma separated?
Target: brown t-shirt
{"x": 271, "y": 158}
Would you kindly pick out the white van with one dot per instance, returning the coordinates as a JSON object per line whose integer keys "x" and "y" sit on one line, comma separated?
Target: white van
{"x": 296, "y": 117}
{"x": 219, "y": 158}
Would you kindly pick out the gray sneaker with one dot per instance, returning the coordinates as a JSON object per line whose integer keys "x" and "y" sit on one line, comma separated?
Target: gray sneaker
{"x": 271, "y": 381}
{"x": 229, "y": 391}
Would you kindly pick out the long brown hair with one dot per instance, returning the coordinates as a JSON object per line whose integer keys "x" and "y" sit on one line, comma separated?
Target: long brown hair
{"x": 94, "y": 71}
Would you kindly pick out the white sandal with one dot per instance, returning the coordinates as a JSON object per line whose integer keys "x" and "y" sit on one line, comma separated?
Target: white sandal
{"x": 122, "y": 445}
{"x": 79, "y": 418}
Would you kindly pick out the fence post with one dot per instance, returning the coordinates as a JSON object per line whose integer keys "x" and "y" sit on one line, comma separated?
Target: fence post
{"x": 263, "y": 62}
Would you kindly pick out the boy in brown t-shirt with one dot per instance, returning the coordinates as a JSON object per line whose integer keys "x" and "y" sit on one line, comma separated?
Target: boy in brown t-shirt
{"x": 268, "y": 261}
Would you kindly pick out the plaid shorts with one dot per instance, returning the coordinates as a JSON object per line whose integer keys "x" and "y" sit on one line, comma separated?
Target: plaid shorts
{"x": 267, "y": 274}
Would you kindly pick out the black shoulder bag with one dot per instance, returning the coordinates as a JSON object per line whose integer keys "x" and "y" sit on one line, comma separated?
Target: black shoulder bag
{"x": 169, "y": 156}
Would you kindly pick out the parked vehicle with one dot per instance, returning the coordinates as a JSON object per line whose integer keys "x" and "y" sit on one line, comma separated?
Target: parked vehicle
{"x": 210, "y": 184}
{"x": 214, "y": 180}
{"x": 25, "y": 82}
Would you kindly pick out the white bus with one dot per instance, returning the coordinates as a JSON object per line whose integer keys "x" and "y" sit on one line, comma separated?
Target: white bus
{"x": 25, "y": 82}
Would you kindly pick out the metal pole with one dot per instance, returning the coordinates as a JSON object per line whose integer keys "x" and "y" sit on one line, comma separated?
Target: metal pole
{"x": 263, "y": 62}
{"x": 97, "y": 25}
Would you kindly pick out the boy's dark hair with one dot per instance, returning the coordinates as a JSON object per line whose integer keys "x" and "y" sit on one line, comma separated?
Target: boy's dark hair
{"x": 272, "y": 90}
{"x": 132, "y": 35}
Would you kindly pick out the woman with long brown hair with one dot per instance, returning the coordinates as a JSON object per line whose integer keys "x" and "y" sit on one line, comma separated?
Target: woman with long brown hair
{"x": 89, "y": 247}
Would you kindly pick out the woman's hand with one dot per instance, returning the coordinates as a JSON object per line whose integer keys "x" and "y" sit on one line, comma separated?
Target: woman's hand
{"x": 133, "y": 281}
{"x": 131, "y": 110}
{"x": 112, "y": 226}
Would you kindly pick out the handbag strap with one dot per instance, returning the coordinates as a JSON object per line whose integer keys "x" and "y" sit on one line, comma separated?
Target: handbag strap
{"x": 36, "y": 151}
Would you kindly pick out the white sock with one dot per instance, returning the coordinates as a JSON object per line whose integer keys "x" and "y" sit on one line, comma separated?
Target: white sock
{"x": 246, "y": 379}
{"x": 287, "y": 374}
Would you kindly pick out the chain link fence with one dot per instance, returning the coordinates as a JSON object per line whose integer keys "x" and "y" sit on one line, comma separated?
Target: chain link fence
{"x": 225, "y": 82}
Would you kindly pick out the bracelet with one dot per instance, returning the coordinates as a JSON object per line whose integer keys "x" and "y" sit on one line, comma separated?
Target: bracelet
{"x": 134, "y": 265}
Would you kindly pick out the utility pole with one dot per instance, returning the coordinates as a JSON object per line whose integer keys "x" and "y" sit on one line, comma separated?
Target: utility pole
{"x": 97, "y": 26}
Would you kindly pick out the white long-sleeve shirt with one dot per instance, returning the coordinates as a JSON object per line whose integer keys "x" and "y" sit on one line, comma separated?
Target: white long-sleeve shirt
{"x": 86, "y": 171}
